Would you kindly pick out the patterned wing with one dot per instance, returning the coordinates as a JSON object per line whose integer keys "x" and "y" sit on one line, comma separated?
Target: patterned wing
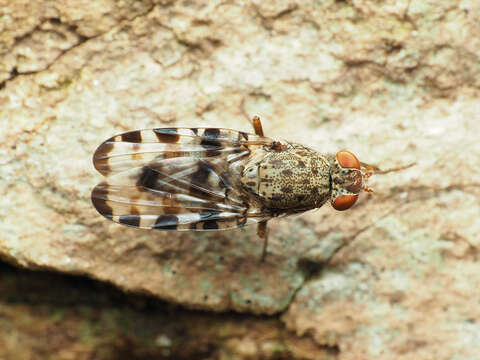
{"x": 177, "y": 179}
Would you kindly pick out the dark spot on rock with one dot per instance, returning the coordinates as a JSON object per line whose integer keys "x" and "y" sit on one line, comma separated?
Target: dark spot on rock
{"x": 301, "y": 164}
{"x": 287, "y": 172}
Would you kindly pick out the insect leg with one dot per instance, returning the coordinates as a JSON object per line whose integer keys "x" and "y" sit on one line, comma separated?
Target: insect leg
{"x": 262, "y": 232}
{"x": 257, "y": 125}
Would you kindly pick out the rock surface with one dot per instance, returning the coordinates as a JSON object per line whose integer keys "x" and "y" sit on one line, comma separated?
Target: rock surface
{"x": 395, "y": 82}
{"x": 59, "y": 317}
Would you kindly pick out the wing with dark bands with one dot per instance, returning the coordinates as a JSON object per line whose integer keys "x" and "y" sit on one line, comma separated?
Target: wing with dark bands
{"x": 176, "y": 178}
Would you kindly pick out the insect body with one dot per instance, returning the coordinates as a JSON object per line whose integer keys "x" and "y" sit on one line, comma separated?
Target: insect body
{"x": 213, "y": 179}
{"x": 299, "y": 179}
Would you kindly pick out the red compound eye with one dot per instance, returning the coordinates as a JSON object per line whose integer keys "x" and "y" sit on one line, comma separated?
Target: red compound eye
{"x": 344, "y": 202}
{"x": 347, "y": 160}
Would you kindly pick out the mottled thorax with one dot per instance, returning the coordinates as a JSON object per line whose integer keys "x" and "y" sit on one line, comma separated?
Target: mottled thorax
{"x": 295, "y": 179}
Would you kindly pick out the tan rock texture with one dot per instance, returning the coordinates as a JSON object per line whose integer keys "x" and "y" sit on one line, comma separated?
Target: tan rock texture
{"x": 394, "y": 81}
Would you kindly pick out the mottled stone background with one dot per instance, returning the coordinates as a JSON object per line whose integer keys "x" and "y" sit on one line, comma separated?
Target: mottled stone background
{"x": 394, "y": 81}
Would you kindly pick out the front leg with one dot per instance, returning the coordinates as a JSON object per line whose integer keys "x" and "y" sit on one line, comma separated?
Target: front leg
{"x": 257, "y": 126}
